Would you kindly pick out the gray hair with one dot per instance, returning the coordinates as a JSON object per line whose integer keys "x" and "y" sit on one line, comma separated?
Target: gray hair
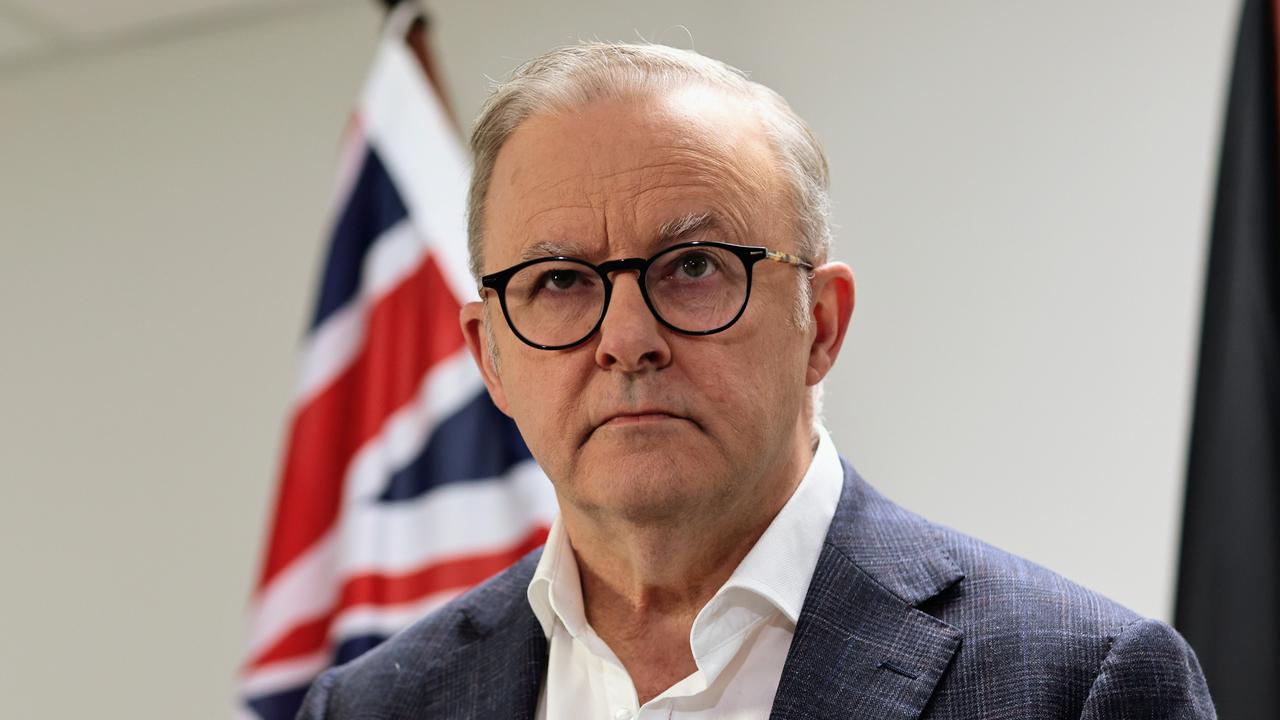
{"x": 577, "y": 75}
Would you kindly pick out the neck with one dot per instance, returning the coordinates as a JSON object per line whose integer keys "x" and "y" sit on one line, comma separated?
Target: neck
{"x": 643, "y": 583}
{"x": 664, "y": 570}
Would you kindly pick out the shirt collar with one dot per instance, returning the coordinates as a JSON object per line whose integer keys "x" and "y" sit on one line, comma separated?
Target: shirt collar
{"x": 781, "y": 564}
{"x": 556, "y": 590}
{"x": 777, "y": 570}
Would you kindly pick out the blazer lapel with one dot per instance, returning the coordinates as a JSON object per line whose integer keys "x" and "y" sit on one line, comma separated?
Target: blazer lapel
{"x": 497, "y": 673}
{"x": 500, "y": 676}
{"x": 862, "y": 648}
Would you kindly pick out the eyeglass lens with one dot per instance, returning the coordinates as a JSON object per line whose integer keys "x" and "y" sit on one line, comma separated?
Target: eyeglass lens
{"x": 694, "y": 289}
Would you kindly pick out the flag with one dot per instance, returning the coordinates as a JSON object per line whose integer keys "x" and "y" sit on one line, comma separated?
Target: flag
{"x": 1228, "y": 602}
{"x": 402, "y": 485}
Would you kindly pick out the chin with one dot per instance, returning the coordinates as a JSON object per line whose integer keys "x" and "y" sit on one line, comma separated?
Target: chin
{"x": 650, "y": 484}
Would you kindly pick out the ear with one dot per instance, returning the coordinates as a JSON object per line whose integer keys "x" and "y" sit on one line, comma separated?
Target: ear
{"x": 472, "y": 318}
{"x": 833, "y": 297}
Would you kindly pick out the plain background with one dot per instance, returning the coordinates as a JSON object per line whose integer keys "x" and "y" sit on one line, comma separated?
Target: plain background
{"x": 1022, "y": 188}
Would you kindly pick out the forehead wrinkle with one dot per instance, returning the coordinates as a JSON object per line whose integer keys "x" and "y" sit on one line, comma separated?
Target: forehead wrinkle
{"x": 553, "y": 194}
{"x": 637, "y": 173}
{"x": 737, "y": 186}
{"x": 727, "y": 214}
{"x": 536, "y": 214}
{"x": 697, "y": 160}
{"x": 716, "y": 167}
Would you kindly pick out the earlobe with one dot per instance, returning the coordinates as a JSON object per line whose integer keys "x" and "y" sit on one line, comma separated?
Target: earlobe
{"x": 472, "y": 319}
{"x": 833, "y": 299}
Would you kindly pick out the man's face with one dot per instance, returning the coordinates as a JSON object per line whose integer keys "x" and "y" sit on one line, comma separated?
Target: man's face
{"x": 641, "y": 422}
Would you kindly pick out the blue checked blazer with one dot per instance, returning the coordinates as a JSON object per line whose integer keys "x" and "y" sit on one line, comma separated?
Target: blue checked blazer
{"x": 904, "y": 619}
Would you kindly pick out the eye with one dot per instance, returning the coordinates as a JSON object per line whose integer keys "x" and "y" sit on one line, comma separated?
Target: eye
{"x": 693, "y": 265}
{"x": 560, "y": 279}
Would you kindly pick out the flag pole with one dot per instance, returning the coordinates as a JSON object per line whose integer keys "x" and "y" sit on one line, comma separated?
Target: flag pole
{"x": 412, "y": 21}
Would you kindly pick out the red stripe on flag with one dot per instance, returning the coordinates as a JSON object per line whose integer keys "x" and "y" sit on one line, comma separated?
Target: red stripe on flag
{"x": 411, "y": 329}
{"x": 383, "y": 590}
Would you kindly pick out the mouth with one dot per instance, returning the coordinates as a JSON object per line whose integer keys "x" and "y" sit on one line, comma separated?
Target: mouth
{"x": 638, "y": 418}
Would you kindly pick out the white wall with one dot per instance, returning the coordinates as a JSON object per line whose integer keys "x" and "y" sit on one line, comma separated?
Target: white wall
{"x": 1022, "y": 189}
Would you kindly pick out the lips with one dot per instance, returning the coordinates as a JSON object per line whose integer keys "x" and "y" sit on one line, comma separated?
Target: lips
{"x": 637, "y": 417}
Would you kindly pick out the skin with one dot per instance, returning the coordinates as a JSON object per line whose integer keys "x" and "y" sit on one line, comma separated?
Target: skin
{"x": 670, "y": 454}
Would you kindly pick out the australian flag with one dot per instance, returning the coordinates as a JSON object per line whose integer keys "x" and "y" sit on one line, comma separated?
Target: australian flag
{"x": 402, "y": 485}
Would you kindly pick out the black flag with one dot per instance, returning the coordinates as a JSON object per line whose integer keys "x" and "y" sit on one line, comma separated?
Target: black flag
{"x": 1228, "y": 603}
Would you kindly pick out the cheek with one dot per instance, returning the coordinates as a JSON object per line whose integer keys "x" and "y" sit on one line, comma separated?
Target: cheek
{"x": 743, "y": 392}
{"x": 546, "y": 399}
{"x": 768, "y": 380}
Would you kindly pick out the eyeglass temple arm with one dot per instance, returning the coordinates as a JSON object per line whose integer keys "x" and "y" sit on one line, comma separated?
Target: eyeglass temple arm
{"x": 787, "y": 258}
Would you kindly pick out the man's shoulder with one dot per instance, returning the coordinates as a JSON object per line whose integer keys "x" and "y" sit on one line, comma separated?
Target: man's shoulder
{"x": 1026, "y": 624}
{"x": 958, "y": 576}
{"x": 411, "y": 657}
{"x": 1028, "y": 636}
{"x": 999, "y": 587}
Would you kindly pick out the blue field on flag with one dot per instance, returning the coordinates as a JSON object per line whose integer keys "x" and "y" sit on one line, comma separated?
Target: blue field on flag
{"x": 402, "y": 485}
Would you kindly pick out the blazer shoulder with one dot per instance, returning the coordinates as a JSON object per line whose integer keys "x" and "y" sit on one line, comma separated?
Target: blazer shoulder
{"x": 1066, "y": 646}
{"x": 991, "y": 595}
{"x": 1126, "y": 685}
{"x": 1032, "y": 644}
{"x": 1003, "y": 593}
{"x": 417, "y": 651}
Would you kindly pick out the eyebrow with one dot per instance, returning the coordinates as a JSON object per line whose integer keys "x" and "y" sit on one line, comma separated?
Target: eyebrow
{"x": 682, "y": 227}
{"x": 550, "y": 248}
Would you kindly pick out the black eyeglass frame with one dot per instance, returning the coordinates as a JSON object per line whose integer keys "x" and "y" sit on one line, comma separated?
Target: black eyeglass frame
{"x": 748, "y": 254}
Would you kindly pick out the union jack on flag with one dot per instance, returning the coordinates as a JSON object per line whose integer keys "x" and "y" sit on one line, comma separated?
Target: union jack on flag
{"x": 402, "y": 485}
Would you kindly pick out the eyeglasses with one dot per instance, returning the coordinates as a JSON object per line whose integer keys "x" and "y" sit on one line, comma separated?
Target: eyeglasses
{"x": 695, "y": 288}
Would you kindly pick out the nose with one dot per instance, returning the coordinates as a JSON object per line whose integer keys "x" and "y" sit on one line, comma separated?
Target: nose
{"x": 631, "y": 339}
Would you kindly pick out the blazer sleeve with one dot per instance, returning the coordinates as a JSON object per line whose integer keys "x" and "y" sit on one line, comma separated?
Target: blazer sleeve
{"x": 315, "y": 706}
{"x": 1150, "y": 672}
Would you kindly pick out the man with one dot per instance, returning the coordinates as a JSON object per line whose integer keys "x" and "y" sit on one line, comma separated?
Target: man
{"x": 658, "y": 310}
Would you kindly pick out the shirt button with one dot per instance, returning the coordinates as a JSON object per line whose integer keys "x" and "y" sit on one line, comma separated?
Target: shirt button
{"x": 622, "y": 714}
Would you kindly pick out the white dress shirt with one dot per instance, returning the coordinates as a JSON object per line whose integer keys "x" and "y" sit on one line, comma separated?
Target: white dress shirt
{"x": 739, "y": 639}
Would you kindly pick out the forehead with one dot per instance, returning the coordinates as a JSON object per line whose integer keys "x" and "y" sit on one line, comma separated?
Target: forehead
{"x": 613, "y": 176}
